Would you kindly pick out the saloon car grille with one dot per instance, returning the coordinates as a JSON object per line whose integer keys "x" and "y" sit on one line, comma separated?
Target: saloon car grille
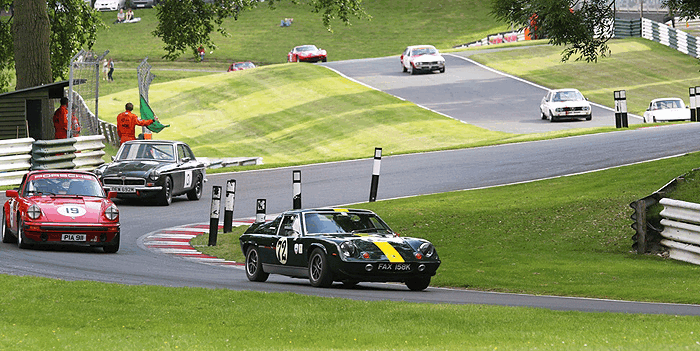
{"x": 568, "y": 109}
{"x": 124, "y": 181}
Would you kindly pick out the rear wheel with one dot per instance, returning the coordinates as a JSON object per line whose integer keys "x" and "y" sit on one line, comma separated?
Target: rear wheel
{"x": 7, "y": 237}
{"x": 253, "y": 266}
{"x": 319, "y": 273}
{"x": 418, "y": 284}
{"x": 196, "y": 192}
{"x": 166, "y": 195}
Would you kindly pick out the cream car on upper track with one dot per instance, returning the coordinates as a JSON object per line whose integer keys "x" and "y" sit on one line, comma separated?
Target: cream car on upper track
{"x": 565, "y": 104}
{"x": 666, "y": 109}
{"x": 424, "y": 58}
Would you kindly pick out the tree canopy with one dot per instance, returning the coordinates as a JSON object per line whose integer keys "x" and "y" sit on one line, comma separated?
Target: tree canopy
{"x": 583, "y": 27}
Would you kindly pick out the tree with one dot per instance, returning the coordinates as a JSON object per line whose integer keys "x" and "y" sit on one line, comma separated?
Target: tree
{"x": 184, "y": 25}
{"x": 39, "y": 39}
{"x": 583, "y": 26}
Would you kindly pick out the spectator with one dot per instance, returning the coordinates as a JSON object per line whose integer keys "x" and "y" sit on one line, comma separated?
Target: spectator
{"x": 120, "y": 16}
{"x": 105, "y": 68}
{"x": 110, "y": 65}
{"x": 286, "y": 22}
{"x": 127, "y": 122}
{"x": 129, "y": 14}
{"x": 201, "y": 52}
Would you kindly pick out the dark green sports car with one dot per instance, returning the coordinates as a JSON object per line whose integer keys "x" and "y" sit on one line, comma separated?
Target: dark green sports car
{"x": 327, "y": 245}
{"x": 154, "y": 170}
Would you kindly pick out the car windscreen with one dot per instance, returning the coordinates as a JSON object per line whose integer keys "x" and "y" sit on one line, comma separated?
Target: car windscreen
{"x": 424, "y": 51}
{"x": 146, "y": 151}
{"x": 568, "y": 96}
{"x": 307, "y": 48}
{"x": 666, "y": 104}
{"x": 344, "y": 222}
{"x": 55, "y": 184}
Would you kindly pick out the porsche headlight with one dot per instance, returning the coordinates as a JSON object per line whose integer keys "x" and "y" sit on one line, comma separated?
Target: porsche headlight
{"x": 34, "y": 212}
{"x": 155, "y": 174}
{"x": 348, "y": 249}
{"x": 427, "y": 249}
{"x": 112, "y": 212}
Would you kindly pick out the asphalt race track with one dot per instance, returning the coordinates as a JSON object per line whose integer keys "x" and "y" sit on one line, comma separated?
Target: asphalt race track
{"x": 340, "y": 183}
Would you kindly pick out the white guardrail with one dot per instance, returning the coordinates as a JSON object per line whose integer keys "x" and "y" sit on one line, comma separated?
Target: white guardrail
{"x": 16, "y": 157}
{"x": 681, "y": 234}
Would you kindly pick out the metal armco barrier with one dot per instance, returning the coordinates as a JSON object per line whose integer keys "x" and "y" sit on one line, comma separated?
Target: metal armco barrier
{"x": 109, "y": 131}
{"x": 53, "y": 154}
{"x": 15, "y": 160}
{"x": 89, "y": 151}
{"x": 681, "y": 232}
{"x": 647, "y": 235}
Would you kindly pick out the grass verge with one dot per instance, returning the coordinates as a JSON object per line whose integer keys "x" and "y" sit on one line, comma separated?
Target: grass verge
{"x": 42, "y": 314}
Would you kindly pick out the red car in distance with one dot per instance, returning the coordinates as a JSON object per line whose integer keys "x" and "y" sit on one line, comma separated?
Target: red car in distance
{"x": 60, "y": 207}
{"x": 307, "y": 53}
{"x": 239, "y": 66}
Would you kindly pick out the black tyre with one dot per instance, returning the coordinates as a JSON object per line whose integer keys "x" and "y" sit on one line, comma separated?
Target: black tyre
{"x": 7, "y": 237}
{"x": 166, "y": 195}
{"x": 404, "y": 68}
{"x": 418, "y": 284}
{"x": 196, "y": 192}
{"x": 442, "y": 70}
{"x": 543, "y": 115}
{"x": 325, "y": 59}
{"x": 319, "y": 273}
{"x": 21, "y": 241}
{"x": 411, "y": 69}
{"x": 253, "y": 266}
{"x": 589, "y": 117}
{"x": 551, "y": 116}
{"x": 113, "y": 247}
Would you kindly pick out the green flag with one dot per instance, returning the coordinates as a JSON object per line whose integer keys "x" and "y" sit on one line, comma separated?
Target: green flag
{"x": 147, "y": 113}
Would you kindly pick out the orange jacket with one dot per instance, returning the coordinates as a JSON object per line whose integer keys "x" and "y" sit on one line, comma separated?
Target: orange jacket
{"x": 60, "y": 122}
{"x": 126, "y": 124}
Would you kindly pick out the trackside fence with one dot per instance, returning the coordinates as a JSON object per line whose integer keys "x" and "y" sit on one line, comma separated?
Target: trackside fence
{"x": 671, "y": 37}
{"x": 681, "y": 233}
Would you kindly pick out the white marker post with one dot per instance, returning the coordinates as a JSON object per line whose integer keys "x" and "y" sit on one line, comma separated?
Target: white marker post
{"x": 375, "y": 174}
{"x": 296, "y": 188}
{"x": 214, "y": 214}
{"x": 228, "y": 207}
{"x": 260, "y": 209}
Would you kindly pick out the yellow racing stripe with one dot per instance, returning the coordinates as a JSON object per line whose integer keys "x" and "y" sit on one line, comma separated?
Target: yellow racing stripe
{"x": 389, "y": 251}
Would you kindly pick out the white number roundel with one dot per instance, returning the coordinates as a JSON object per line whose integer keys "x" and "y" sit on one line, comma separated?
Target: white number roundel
{"x": 72, "y": 211}
{"x": 282, "y": 250}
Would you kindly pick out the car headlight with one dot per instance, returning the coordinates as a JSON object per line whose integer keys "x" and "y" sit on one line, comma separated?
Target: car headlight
{"x": 586, "y": 108}
{"x": 427, "y": 249}
{"x": 34, "y": 212}
{"x": 155, "y": 174}
{"x": 112, "y": 212}
{"x": 559, "y": 109}
{"x": 348, "y": 249}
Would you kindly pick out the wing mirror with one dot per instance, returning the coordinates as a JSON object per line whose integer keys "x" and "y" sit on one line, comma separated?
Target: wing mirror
{"x": 111, "y": 194}
{"x": 11, "y": 193}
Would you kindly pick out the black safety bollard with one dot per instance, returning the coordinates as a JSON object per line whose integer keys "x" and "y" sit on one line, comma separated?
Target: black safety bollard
{"x": 260, "y": 209}
{"x": 693, "y": 116}
{"x": 620, "y": 109}
{"x": 296, "y": 188}
{"x": 697, "y": 104}
{"x": 228, "y": 206}
{"x": 375, "y": 174}
{"x": 214, "y": 214}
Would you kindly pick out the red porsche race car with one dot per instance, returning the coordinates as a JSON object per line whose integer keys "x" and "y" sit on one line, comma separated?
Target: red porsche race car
{"x": 60, "y": 207}
{"x": 307, "y": 53}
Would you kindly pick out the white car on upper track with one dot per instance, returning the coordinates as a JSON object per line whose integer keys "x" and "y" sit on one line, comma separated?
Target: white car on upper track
{"x": 666, "y": 109}
{"x": 565, "y": 104}
{"x": 422, "y": 58}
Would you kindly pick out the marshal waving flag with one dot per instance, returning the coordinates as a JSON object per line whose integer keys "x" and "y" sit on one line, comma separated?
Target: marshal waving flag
{"x": 147, "y": 113}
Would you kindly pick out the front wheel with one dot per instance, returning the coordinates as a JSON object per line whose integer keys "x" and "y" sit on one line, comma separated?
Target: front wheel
{"x": 21, "y": 241}
{"x": 319, "y": 272}
{"x": 551, "y": 116}
{"x": 253, "y": 266}
{"x": 442, "y": 70}
{"x": 113, "y": 247}
{"x": 418, "y": 284}
{"x": 166, "y": 195}
{"x": 196, "y": 192}
{"x": 589, "y": 117}
{"x": 404, "y": 67}
{"x": 325, "y": 59}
